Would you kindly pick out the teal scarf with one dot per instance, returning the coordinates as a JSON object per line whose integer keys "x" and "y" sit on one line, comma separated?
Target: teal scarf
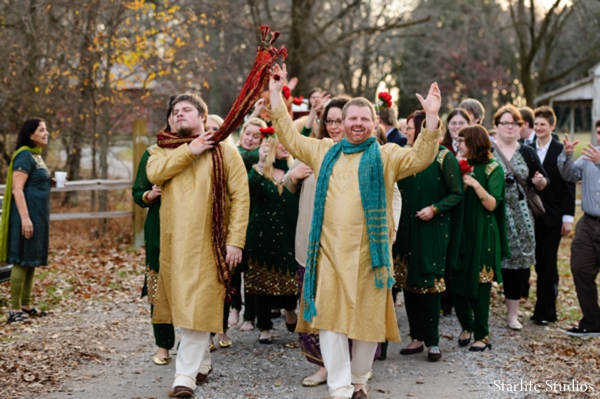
{"x": 372, "y": 194}
{"x": 4, "y": 223}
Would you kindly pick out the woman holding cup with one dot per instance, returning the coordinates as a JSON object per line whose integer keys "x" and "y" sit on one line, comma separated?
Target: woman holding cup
{"x": 24, "y": 230}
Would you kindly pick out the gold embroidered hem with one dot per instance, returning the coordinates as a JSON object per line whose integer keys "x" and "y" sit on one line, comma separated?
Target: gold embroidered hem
{"x": 401, "y": 276}
{"x": 151, "y": 283}
{"x": 262, "y": 281}
{"x": 486, "y": 275}
{"x": 438, "y": 286}
{"x": 400, "y": 272}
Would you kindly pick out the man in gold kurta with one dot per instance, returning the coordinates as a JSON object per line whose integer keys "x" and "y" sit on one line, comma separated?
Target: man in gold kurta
{"x": 348, "y": 304}
{"x": 189, "y": 294}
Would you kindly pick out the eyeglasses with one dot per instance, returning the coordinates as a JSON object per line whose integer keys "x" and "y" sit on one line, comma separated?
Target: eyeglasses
{"x": 410, "y": 128}
{"x": 333, "y": 122}
{"x": 460, "y": 140}
{"x": 457, "y": 123}
{"x": 510, "y": 124}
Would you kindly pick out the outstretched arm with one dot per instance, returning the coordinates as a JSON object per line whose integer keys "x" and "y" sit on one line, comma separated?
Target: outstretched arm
{"x": 407, "y": 162}
{"x": 303, "y": 148}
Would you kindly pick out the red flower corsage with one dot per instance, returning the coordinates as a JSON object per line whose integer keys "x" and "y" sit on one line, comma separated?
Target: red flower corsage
{"x": 286, "y": 92}
{"x": 464, "y": 166}
{"x": 298, "y": 100}
{"x": 266, "y": 132}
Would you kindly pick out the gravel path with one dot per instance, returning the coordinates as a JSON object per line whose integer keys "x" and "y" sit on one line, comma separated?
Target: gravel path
{"x": 122, "y": 335}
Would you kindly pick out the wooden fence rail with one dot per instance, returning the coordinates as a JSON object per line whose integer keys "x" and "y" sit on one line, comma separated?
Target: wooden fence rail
{"x": 80, "y": 185}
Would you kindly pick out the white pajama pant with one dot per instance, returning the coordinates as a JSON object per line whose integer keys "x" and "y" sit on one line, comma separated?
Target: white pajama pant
{"x": 193, "y": 357}
{"x": 341, "y": 372}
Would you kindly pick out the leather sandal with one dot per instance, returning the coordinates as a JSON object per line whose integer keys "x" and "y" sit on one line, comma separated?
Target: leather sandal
{"x": 183, "y": 392}
{"x": 203, "y": 378}
{"x": 17, "y": 317}
{"x": 361, "y": 394}
{"x": 412, "y": 351}
{"x": 33, "y": 312}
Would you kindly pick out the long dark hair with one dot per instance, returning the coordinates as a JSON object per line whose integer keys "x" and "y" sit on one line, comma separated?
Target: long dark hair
{"x": 447, "y": 141}
{"x": 336, "y": 102}
{"x": 418, "y": 117}
{"x": 27, "y": 129}
{"x": 478, "y": 142}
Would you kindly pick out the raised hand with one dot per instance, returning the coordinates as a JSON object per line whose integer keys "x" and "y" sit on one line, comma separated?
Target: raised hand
{"x": 263, "y": 153}
{"x": 433, "y": 102}
{"x": 590, "y": 154}
{"x": 259, "y": 106}
{"x": 277, "y": 80}
{"x": 569, "y": 147}
{"x": 202, "y": 143}
{"x": 320, "y": 103}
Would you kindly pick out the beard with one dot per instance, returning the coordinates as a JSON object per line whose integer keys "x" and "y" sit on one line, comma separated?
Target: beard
{"x": 184, "y": 131}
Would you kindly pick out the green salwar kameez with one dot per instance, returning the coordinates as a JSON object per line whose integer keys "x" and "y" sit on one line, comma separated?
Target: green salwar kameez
{"x": 270, "y": 244}
{"x": 164, "y": 334}
{"x": 484, "y": 246}
{"x": 423, "y": 249}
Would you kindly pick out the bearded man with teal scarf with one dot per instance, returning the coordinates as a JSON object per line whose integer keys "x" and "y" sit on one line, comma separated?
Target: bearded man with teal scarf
{"x": 347, "y": 286}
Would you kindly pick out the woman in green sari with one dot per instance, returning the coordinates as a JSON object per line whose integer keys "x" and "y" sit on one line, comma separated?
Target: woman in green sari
{"x": 484, "y": 242}
{"x": 432, "y": 214}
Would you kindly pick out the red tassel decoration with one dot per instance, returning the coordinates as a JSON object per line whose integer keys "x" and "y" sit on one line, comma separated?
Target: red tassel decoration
{"x": 257, "y": 79}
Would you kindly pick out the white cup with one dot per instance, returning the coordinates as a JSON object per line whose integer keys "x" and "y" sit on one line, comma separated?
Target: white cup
{"x": 60, "y": 177}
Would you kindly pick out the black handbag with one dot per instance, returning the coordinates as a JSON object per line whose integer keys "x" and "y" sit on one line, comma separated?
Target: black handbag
{"x": 533, "y": 199}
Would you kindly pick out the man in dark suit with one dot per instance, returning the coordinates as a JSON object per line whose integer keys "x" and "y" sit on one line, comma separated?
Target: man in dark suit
{"x": 388, "y": 119}
{"x": 559, "y": 201}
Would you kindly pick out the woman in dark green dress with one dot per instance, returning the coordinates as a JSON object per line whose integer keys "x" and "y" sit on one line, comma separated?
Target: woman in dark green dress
{"x": 248, "y": 146}
{"x": 428, "y": 240}
{"x": 25, "y": 224}
{"x": 147, "y": 195}
{"x": 484, "y": 243}
{"x": 270, "y": 241}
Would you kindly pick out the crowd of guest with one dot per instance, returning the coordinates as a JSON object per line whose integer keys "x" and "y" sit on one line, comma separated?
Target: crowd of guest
{"x": 437, "y": 211}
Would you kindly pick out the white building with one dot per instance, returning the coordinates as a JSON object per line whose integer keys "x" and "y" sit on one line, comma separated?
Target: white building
{"x": 578, "y": 103}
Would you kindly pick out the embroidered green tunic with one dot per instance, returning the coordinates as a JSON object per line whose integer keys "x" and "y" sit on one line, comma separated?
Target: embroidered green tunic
{"x": 270, "y": 240}
{"x": 424, "y": 248}
{"x": 484, "y": 242}
{"x": 151, "y": 227}
{"x": 250, "y": 157}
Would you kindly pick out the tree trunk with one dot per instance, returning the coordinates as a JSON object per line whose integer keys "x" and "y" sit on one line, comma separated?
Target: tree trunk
{"x": 298, "y": 47}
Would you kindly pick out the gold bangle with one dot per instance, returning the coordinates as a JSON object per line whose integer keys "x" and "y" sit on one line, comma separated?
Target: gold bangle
{"x": 485, "y": 197}
{"x": 435, "y": 210}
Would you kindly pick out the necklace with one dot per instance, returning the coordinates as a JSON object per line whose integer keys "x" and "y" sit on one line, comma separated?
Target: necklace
{"x": 279, "y": 185}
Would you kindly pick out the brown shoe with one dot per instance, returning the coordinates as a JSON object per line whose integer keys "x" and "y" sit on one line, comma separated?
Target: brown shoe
{"x": 182, "y": 392}
{"x": 408, "y": 351}
{"x": 434, "y": 355}
{"x": 202, "y": 378}
{"x": 360, "y": 394}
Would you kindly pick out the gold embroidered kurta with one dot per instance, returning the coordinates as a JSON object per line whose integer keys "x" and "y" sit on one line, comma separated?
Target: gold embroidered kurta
{"x": 347, "y": 300}
{"x": 189, "y": 294}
